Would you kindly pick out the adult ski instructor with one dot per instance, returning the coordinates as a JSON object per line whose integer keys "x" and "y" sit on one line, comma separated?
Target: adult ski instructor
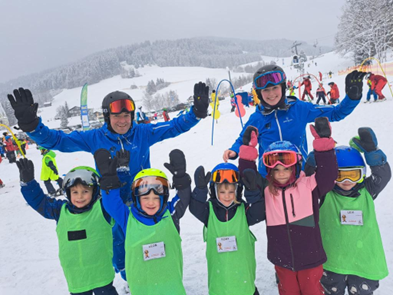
{"x": 117, "y": 134}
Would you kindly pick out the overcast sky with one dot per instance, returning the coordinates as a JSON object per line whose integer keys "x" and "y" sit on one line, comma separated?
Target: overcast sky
{"x": 41, "y": 34}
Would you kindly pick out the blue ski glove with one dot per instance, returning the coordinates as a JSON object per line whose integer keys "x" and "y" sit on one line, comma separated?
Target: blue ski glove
{"x": 367, "y": 143}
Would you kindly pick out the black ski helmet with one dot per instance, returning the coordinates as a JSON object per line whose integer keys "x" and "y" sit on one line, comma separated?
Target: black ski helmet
{"x": 263, "y": 70}
{"x": 111, "y": 97}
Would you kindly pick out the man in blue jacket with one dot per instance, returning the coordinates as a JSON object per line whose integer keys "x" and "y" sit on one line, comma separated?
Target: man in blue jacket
{"x": 118, "y": 134}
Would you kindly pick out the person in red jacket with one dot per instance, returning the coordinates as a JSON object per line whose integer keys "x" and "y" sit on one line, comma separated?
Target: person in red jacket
{"x": 334, "y": 93}
{"x": 2, "y": 184}
{"x": 165, "y": 115}
{"x": 307, "y": 87}
{"x": 378, "y": 82}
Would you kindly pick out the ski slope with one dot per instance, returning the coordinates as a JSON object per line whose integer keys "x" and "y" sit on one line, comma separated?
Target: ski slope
{"x": 28, "y": 242}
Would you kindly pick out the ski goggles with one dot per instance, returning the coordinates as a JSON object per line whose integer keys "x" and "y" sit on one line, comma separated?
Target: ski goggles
{"x": 353, "y": 175}
{"x": 144, "y": 185}
{"x": 269, "y": 78}
{"x": 85, "y": 176}
{"x": 225, "y": 175}
{"x": 284, "y": 158}
{"x": 121, "y": 105}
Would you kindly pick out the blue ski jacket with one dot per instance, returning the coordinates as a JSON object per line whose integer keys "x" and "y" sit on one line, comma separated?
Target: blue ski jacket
{"x": 137, "y": 141}
{"x": 290, "y": 123}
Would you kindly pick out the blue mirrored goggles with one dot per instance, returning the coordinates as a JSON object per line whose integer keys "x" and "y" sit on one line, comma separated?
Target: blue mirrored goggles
{"x": 269, "y": 79}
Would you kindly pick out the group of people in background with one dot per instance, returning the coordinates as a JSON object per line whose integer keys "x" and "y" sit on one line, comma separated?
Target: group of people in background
{"x": 313, "y": 203}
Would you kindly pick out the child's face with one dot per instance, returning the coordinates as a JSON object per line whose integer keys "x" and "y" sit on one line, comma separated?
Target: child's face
{"x": 81, "y": 195}
{"x": 272, "y": 95}
{"x": 226, "y": 193}
{"x": 150, "y": 203}
{"x": 281, "y": 174}
{"x": 346, "y": 185}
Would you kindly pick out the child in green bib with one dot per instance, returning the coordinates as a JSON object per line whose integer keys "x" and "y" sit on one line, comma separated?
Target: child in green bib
{"x": 350, "y": 233}
{"x": 84, "y": 228}
{"x": 230, "y": 245}
{"x": 154, "y": 259}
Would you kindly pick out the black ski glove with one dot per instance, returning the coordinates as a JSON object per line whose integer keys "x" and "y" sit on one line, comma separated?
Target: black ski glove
{"x": 107, "y": 168}
{"x": 354, "y": 85}
{"x": 123, "y": 159}
{"x": 201, "y": 100}
{"x": 26, "y": 170}
{"x": 177, "y": 166}
{"x": 25, "y": 109}
{"x": 366, "y": 141}
{"x": 322, "y": 127}
{"x": 201, "y": 180}
{"x": 53, "y": 167}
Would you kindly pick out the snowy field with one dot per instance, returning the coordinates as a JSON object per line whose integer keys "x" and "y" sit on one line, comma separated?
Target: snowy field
{"x": 28, "y": 242}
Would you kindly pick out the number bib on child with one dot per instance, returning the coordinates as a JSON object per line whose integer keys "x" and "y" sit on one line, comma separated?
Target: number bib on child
{"x": 226, "y": 244}
{"x": 351, "y": 217}
{"x": 153, "y": 251}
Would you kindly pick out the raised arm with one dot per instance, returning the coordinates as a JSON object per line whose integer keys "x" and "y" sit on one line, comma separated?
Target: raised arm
{"x": 33, "y": 194}
{"x": 110, "y": 186}
{"x": 198, "y": 205}
{"x": 367, "y": 143}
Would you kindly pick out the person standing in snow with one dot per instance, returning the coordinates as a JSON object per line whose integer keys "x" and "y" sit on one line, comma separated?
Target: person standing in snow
{"x": 117, "y": 134}
{"x": 225, "y": 215}
{"x": 285, "y": 118}
{"x": 141, "y": 116}
{"x": 50, "y": 172}
{"x": 154, "y": 260}
{"x": 294, "y": 243}
{"x": 348, "y": 221}
{"x": 165, "y": 115}
{"x": 378, "y": 82}
{"x": 321, "y": 94}
{"x": 84, "y": 228}
{"x": 370, "y": 91}
{"x": 307, "y": 87}
{"x": 334, "y": 93}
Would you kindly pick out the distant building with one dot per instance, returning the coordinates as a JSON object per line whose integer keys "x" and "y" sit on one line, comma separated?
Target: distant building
{"x": 75, "y": 111}
{"x": 47, "y": 104}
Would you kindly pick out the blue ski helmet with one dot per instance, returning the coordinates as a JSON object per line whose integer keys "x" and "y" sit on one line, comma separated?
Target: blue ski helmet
{"x": 349, "y": 157}
{"x": 213, "y": 185}
{"x": 285, "y": 146}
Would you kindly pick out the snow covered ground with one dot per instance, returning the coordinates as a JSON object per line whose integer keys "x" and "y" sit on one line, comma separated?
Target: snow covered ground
{"x": 28, "y": 242}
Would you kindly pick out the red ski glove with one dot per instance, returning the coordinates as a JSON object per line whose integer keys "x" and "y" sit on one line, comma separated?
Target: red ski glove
{"x": 250, "y": 139}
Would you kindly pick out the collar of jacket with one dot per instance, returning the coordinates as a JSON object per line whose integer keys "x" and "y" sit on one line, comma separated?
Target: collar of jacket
{"x": 115, "y": 136}
{"x": 352, "y": 193}
{"x": 289, "y": 101}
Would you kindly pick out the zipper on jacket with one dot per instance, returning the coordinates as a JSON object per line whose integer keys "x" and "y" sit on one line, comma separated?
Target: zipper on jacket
{"x": 293, "y": 206}
{"x": 278, "y": 125}
{"x": 288, "y": 231}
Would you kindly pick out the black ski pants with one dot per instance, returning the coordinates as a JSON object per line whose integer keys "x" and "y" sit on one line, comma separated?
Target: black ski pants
{"x": 106, "y": 290}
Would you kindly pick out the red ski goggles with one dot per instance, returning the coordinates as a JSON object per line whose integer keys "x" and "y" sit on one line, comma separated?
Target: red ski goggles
{"x": 269, "y": 78}
{"x": 228, "y": 176}
{"x": 284, "y": 158}
{"x": 143, "y": 186}
{"x": 121, "y": 105}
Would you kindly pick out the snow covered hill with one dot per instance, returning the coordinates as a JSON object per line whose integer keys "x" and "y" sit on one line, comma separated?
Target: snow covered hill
{"x": 28, "y": 242}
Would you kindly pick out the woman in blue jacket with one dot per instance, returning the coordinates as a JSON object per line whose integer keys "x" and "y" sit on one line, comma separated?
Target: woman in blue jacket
{"x": 280, "y": 118}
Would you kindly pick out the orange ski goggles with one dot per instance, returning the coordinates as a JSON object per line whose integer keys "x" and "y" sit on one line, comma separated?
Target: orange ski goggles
{"x": 225, "y": 175}
{"x": 121, "y": 105}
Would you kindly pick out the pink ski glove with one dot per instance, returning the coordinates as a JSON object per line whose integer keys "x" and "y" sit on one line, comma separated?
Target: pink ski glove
{"x": 322, "y": 132}
{"x": 250, "y": 139}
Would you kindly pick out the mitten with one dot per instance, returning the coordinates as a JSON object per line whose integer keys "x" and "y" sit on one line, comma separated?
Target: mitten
{"x": 107, "y": 168}
{"x": 250, "y": 139}
{"x": 177, "y": 166}
{"x": 367, "y": 143}
{"x": 25, "y": 109}
{"x": 26, "y": 170}
{"x": 201, "y": 180}
{"x": 322, "y": 132}
{"x": 201, "y": 100}
{"x": 354, "y": 85}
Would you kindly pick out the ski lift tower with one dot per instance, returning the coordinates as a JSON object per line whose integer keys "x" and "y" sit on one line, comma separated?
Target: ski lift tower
{"x": 297, "y": 60}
